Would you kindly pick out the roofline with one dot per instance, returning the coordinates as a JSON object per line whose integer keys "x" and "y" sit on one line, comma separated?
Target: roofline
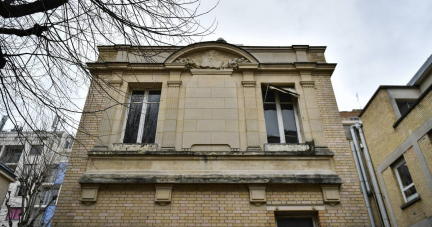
{"x": 425, "y": 67}
{"x": 384, "y": 87}
{"x": 8, "y": 172}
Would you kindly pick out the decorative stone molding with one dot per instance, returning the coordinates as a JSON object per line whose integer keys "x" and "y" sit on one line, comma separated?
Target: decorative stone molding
{"x": 250, "y": 106}
{"x": 331, "y": 194}
{"x": 89, "y": 194}
{"x": 307, "y": 83}
{"x": 257, "y": 194}
{"x": 163, "y": 194}
{"x": 174, "y": 83}
{"x": 248, "y": 83}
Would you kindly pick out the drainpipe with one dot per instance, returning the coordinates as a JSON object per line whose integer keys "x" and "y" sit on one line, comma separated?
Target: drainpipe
{"x": 362, "y": 183}
{"x": 360, "y": 160}
{"x": 372, "y": 174}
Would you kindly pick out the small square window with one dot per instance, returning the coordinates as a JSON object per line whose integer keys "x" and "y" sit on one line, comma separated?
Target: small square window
{"x": 36, "y": 149}
{"x": 142, "y": 117}
{"x": 405, "y": 181}
{"x": 20, "y": 191}
{"x": 280, "y": 113}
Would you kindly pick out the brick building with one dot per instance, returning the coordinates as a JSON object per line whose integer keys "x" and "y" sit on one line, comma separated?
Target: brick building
{"x": 211, "y": 134}
{"x": 398, "y": 131}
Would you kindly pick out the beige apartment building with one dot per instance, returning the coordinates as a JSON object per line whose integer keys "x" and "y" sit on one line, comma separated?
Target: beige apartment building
{"x": 397, "y": 126}
{"x": 211, "y": 134}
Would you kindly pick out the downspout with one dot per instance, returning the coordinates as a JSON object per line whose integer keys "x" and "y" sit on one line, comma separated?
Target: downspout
{"x": 372, "y": 174}
{"x": 360, "y": 160}
{"x": 362, "y": 183}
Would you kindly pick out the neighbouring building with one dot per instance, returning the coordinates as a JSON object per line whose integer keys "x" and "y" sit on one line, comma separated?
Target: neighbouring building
{"x": 211, "y": 134}
{"x": 26, "y": 151}
{"x": 6, "y": 177}
{"x": 397, "y": 126}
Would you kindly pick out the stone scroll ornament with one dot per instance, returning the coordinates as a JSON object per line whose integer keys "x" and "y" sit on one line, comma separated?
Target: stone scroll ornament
{"x": 210, "y": 63}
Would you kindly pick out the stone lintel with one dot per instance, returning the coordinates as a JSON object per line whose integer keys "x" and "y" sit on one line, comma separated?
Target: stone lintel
{"x": 257, "y": 194}
{"x": 136, "y": 150}
{"x": 89, "y": 193}
{"x": 163, "y": 193}
{"x": 216, "y": 178}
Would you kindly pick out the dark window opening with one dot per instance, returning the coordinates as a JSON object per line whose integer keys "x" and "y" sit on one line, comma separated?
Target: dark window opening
{"x": 141, "y": 122}
{"x": 36, "y": 150}
{"x": 280, "y": 115}
{"x": 12, "y": 154}
{"x": 295, "y": 222}
{"x": 404, "y": 106}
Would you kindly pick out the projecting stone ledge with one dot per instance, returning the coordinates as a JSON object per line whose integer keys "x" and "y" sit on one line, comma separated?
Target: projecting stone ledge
{"x": 211, "y": 179}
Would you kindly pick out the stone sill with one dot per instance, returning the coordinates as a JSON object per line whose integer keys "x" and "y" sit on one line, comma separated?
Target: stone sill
{"x": 410, "y": 203}
{"x": 215, "y": 178}
{"x": 316, "y": 152}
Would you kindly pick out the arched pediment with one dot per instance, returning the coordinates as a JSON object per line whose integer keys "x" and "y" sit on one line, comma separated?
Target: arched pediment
{"x": 211, "y": 55}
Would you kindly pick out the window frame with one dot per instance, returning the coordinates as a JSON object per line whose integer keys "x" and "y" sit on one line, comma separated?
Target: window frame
{"x": 407, "y": 102}
{"x": 278, "y": 103}
{"x": 402, "y": 188}
{"x": 313, "y": 217}
{"x": 143, "y": 113}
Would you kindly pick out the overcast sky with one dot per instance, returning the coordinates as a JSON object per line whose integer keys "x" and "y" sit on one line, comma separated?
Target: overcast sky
{"x": 373, "y": 42}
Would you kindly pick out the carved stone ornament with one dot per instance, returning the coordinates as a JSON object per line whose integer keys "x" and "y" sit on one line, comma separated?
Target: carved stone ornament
{"x": 212, "y": 59}
{"x": 257, "y": 194}
{"x": 163, "y": 194}
{"x": 89, "y": 194}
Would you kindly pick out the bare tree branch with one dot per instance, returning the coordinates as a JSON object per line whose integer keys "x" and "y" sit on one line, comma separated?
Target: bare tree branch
{"x": 7, "y": 10}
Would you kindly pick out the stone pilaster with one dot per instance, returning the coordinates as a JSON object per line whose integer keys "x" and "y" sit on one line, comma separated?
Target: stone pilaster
{"x": 313, "y": 113}
{"x": 112, "y": 99}
{"x": 250, "y": 106}
{"x": 169, "y": 136}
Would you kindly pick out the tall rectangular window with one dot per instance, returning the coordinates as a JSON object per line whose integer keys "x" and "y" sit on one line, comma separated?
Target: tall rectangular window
{"x": 281, "y": 119}
{"x": 142, "y": 117}
{"x": 405, "y": 181}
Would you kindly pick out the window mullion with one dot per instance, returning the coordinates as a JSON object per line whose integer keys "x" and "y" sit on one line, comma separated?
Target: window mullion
{"x": 280, "y": 119}
{"x": 300, "y": 139}
{"x": 142, "y": 118}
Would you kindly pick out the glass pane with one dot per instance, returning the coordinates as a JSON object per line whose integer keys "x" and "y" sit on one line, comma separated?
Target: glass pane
{"x": 154, "y": 96}
{"x": 150, "y": 123}
{"x": 271, "y": 121}
{"x": 404, "y": 175}
{"x": 294, "y": 222}
{"x": 410, "y": 192}
{"x": 289, "y": 123}
{"x": 270, "y": 97}
{"x": 283, "y": 97}
{"x": 132, "y": 124}
{"x": 36, "y": 150}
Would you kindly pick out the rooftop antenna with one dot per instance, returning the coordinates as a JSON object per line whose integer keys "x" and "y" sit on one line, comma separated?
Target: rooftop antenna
{"x": 358, "y": 101}
{"x": 3, "y": 122}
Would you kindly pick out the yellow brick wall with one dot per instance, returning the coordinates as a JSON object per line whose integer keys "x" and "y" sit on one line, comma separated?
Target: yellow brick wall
{"x": 378, "y": 119}
{"x": 214, "y": 205}
{"x": 4, "y": 186}
{"x": 420, "y": 209}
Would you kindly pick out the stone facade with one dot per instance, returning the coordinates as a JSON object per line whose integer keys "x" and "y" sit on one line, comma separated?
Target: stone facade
{"x": 210, "y": 163}
{"x": 393, "y": 135}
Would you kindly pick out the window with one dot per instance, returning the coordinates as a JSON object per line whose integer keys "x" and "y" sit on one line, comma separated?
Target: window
{"x": 406, "y": 183}
{"x": 14, "y": 213}
{"x": 47, "y": 196}
{"x": 404, "y": 106}
{"x": 50, "y": 173}
{"x": 12, "y": 154}
{"x": 142, "y": 117}
{"x": 296, "y": 221}
{"x": 281, "y": 119}
{"x": 36, "y": 149}
{"x": 354, "y": 118}
{"x": 20, "y": 191}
